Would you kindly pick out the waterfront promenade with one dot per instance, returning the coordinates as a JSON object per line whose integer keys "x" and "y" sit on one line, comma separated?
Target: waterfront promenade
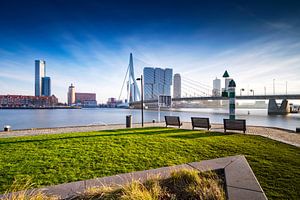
{"x": 282, "y": 135}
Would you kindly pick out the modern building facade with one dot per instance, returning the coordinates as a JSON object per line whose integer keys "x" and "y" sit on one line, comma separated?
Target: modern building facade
{"x": 216, "y": 87}
{"x": 177, "y": 86}
{"x": 46, "y": 86}
{"x": 40, "y": 71}
{"x": 21, "y": 101}
{"x": 71, "y": 95}
{"x": 157, "y": 81}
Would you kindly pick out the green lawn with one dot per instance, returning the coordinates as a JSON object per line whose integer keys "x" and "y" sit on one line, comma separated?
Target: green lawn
{"x": 54, "y": 159}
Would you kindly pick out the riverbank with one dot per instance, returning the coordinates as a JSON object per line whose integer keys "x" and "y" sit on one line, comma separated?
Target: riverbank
{"x": 40, "y": 108}
{"x": 282, "y": 135}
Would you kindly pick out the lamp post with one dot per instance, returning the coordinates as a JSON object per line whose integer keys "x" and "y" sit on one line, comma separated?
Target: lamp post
{"x": 241, "y": 90}
{"x": 252, "y": 91}
{"x": 273, "y": 86}
{"x": 231, "y": 91}
{"x": 142, "y": 99}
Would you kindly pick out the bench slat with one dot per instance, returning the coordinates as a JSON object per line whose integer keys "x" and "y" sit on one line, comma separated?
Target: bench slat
{"x": 200, "y": 122}
{"x": 237, "y": 124}
{"x": 172, "y": 121}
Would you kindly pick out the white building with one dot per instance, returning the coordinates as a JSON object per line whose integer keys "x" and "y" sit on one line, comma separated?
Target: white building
{"x": 216, "y": 87}
{"x": 177, "y": 86}
{"x": 40, "y": 71}
{"x": 71, "y": 95}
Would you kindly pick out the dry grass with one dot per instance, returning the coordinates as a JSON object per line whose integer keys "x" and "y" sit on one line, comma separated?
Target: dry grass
{"x": 181, "y": 185}
{"x": 20, "y": 191}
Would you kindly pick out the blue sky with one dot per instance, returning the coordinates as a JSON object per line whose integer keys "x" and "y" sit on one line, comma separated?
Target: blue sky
{"x": 87, "y": 43}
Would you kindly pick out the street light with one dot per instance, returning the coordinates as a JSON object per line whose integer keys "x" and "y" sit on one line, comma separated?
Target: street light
{"x": 142, "y": 99}
{"x": 252, "y": 91}
{"x": 273, "y": 86}
{"x": 241, "y": 90}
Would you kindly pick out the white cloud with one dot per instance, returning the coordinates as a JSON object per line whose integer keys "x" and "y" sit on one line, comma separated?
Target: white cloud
{"x": 94, "y": 67}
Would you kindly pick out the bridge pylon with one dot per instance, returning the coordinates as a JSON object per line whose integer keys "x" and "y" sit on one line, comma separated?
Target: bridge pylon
{"x": 133, "y": 92}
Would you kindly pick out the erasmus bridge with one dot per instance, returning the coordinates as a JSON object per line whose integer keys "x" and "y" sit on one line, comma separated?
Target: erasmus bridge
{"x": 193, "y": 90}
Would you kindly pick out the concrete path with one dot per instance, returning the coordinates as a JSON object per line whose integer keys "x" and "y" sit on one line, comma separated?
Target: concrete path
{"x": 282, "y": 135}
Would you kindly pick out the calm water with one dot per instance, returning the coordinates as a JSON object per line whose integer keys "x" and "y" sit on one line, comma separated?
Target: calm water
{"x": 20, "y": 119}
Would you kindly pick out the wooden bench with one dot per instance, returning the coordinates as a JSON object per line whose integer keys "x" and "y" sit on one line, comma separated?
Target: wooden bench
{"x": 234, "y": 124}
{"x": 200, "y": 122}
{"x": 172, "y": 121}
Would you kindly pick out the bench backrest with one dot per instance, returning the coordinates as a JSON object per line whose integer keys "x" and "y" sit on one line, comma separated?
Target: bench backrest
{"x": 172, "y": 120}
{"x": 200, "y": 122}
{"x": 235, "y": 124}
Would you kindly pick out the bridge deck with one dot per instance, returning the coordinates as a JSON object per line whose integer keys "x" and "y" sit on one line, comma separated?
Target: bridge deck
{"x": 252, "y": 97}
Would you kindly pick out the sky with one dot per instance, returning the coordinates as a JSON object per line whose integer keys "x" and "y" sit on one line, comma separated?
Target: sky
{"x": 88, "y": 42}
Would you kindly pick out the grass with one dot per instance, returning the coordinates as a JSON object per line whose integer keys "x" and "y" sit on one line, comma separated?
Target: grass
{"x": 181, "y": 185}
{"x": 55, "y": 159}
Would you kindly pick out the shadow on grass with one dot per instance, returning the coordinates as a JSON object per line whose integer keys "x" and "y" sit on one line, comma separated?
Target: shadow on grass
{"x": 194, "y": 135}
{"x": 108, "y": 133}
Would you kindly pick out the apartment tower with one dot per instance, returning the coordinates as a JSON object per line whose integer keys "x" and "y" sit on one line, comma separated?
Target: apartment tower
{"x": 40, "y": 71}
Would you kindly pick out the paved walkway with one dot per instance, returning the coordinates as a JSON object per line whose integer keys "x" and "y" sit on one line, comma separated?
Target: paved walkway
{"x": 285, "y": 136}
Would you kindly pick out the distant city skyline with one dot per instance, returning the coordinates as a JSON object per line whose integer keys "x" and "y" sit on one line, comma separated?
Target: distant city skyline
{"x": 88, "y": 43}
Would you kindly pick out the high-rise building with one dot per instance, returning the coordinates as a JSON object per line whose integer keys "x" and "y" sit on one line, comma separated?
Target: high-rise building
{"x": 148, "y": 82}
{"x": 71, "y": 95}
{"x": 40, "y": 71}
{"x": 46, "y": 86}
{"x": 157, "y": 81}
{"x": 177, "y": 86}
{"x": 216, "y": 87}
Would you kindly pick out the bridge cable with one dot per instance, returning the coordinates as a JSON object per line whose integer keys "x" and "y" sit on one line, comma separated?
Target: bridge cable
{"x": 123, "y": 82}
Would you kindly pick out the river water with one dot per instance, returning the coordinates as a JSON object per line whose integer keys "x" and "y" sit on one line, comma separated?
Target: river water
{"x": 27, "y": 118}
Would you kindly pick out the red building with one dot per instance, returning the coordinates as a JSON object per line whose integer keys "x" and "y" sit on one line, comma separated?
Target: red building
{"x": 17, "y": 101}
{"x": 86, "y": 99}
{"x": 113, "y": 102}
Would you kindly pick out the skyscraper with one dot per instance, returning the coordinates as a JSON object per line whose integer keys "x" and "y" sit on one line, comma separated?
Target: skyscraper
{"x": 46, "y": 86}
{"x": 71, "y": 95}
{"x": 148, "y": 82}
{"x": 216, "y": 87}
{"x": 40, "y": 71}
{"x": 177, "y": 86}
{"x": 157, "y": 81}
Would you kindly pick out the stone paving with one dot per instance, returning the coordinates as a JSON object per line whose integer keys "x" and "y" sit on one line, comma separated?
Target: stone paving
{"x": 282, "y": 135}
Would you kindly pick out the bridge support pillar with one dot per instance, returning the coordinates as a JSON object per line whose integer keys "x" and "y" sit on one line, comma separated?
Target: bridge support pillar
{"x": 275, "y": 109}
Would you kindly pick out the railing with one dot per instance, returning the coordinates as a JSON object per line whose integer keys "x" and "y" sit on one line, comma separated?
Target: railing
{"x": 250, "y": 97}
